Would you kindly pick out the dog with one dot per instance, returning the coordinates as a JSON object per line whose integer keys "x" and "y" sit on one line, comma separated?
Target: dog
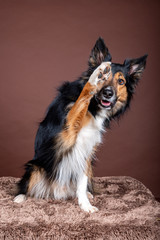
{"x": 74, "y": 125}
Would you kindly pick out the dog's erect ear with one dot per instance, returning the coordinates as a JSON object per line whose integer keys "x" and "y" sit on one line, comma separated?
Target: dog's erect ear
{"x": 99, "y": 54}
{"x": 135, "y": 68}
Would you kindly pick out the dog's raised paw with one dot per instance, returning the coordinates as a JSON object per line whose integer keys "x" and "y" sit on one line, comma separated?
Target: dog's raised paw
{"x": 100, "y": 74}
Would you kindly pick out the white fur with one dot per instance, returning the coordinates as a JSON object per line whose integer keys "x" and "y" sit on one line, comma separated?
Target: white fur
{"x": 82, "y": 195}
{"x": 74, "y": 162}
{"x": 73, "y": 165}
{"x": 19, "y": 198}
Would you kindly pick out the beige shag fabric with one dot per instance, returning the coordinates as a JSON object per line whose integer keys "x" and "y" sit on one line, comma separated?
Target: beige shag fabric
{"x": 127, "y": 211}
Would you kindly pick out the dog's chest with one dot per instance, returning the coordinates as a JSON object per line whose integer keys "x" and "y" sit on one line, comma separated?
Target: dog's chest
{"x": 74, "y": 163}
{"x": 89, "y": 136}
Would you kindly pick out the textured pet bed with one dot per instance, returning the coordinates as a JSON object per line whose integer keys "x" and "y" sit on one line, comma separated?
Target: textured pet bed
{"x": 127, "y": 210}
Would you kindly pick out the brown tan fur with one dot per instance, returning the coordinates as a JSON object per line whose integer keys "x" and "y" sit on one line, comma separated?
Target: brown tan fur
{"x": 77, "y": 117}
{"x": 36, "y": 177}
{"x": 89, "y": 171}
{"x": 121, "y": 91}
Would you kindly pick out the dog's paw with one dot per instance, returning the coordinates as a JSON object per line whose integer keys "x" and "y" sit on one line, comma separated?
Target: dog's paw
{"x": 100, "y": 74}
{"x": 87, "y": 207}
{"x": 19, "y": 198}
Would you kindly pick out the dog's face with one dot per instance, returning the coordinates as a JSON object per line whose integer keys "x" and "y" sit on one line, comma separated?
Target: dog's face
{"x": 114, "y": 92}
{"x": 119, "y": 88}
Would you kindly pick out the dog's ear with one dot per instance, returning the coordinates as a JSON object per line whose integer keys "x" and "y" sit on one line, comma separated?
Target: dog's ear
{"x": 99, "y": 54}
{"x": 135, "y": 68}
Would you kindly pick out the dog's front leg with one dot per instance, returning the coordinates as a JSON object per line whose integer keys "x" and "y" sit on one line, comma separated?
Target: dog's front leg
{"x": 82, "y": 195}
{"x": 79, "y": 111}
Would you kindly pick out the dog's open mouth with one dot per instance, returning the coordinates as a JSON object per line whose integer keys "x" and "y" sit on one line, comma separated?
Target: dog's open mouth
{"x": 105, "y": 103}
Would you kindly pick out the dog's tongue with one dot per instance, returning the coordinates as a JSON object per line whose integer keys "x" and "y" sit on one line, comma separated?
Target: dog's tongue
{"x": 105, "y": 103}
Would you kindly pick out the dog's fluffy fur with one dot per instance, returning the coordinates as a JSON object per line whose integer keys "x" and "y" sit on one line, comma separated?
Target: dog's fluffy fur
{"x": 72, "y": 129}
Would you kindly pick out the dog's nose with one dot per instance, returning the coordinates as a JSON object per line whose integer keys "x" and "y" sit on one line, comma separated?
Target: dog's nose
{"x": 108, "y": 92}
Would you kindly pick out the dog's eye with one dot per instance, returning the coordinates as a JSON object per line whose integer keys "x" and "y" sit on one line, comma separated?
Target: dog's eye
{"x": 121, "y": 81}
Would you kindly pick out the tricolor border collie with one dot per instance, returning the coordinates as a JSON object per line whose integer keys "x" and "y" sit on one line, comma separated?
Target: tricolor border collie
{"x": 72, "y": 129}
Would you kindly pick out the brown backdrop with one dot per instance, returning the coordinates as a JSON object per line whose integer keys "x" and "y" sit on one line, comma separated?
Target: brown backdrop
{"x": 43, "y": 43}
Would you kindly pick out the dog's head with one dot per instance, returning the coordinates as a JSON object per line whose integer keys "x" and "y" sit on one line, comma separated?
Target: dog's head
{"x": 118, "y": 90}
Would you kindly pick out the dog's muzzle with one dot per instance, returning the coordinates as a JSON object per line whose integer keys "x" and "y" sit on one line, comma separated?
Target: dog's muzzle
{"x": 107, "y": 97}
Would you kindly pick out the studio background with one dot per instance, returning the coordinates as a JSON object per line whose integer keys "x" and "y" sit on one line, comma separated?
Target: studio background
{"x": 44, "y": 43}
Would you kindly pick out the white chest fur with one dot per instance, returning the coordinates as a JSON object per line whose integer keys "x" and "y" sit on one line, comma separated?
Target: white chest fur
{"x": 89, "y": 136}
{"x": 73, "y": 164}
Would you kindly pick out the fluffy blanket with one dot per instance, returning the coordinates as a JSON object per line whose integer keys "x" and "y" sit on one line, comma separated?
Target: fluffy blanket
{"x": 127, "y": 211}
